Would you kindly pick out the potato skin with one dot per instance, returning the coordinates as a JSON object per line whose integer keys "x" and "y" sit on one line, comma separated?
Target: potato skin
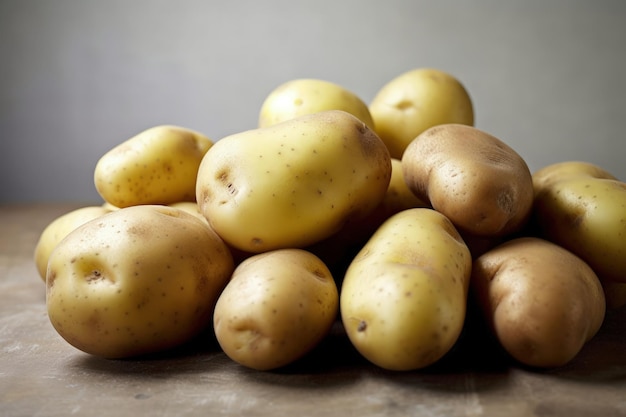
{"x": 57, "y": 229}
{"x": 292, "y": 184}
{"x": 276, "y": 308}
{"x": 582, "y": 207}
{"x": 308, "y": 95}
{"x": 542, "y": 302}
{"x": 403, "y": 297}
{"x": 476, "y": 180}
{"x": 135, "y": 281}
{"x": 416, "y": 100}
{"x": 157, "y": 166}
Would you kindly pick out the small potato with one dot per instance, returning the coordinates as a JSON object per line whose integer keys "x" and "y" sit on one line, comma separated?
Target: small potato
{"x": 403, "y": 297}
{"x": 135, "y": 281}
{"x": 415, "y": 101}
{"x": 58, "y": 229}
{"x": 276, "y": 308}
{"x": 306, "y": 96}
{"x": 582, "y": 207}
{"x": 542, "y": 301}
{"x": 190, "y": 207}
{"x": 480, "y": 183}
{"x": 157, "y": 166}
{"x": 292, "y": 184}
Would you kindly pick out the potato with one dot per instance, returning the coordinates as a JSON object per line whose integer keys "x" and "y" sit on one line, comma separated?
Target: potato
{"x": 305, "y": 96}
{"x": 415, "y": 101}
{"x": 292, "y": 184}
{"x": 57, "y": 229}
{"x": 479, "y": 182}
{"x": 157, "y": 166}
{"x": 276, "y": 308}
{"x": 580, "y": 206}
{"x": 135, "y": 281}
{"x": 542, "y": 302}
{"x": 403, "y": 298}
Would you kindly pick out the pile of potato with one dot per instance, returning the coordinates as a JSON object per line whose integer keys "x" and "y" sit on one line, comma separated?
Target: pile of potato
{"x": 387, "y": 216}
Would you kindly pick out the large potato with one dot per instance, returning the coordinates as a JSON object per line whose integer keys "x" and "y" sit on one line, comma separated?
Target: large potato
{"x": 415, "y": 101}
{"x": 307, "y": 95}
{"x": 157, "y": 166}
{"x": 479, "y": 182}
{"x": 276, "y": 308}
{"x": 137, "y": 280}
{"x": 294, "y": 183}
{"x": 57, "y": 229}
{"x": 542, "y": 302}
{"x": 581, "y": 207}
{"x": 403, "y": 298}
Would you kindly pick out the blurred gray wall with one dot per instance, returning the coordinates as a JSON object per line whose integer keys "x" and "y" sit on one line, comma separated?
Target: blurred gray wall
{"x": 77, "y": 77}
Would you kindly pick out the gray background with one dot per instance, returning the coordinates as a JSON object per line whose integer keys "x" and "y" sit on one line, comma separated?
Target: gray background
{"x": 79, "y": 77}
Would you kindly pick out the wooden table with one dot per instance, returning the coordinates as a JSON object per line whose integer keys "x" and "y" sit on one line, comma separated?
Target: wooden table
{"x": 42, "y": 375}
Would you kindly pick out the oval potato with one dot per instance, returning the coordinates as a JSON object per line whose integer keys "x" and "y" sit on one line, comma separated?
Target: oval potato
{"x": 416, "y": 100}
{"x": 542, "y": 302}
{"x": 276, "y": 308}
{"x": 582, "y": 207}
{"x": 135, "y": 281}
{"x": 308, "y": 95}
{"x": 294, "y": 183}
{"x": 403, "y": 297}
{"x": 156, "y": 166}
{"x": 476, "y": 180}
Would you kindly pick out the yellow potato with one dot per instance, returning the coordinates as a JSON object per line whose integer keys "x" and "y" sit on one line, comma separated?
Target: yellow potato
{"x": 582, "y": 207}
{"x": 134, "y": 281}
{"x": 403, "y": 298}
{"x": 276, "y": 308}
{"x": 542, "y": 302}
{"x": 479, "y": 182}
{"x": 57, "y": 229}
{"x": 294, "y": 183}
{"x": 305, "y": 96}
{"x": 415, "y": 101}
{"x": 157, "y": 166}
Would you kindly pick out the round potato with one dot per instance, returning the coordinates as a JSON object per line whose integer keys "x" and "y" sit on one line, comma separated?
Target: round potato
{"x": 479, "y": 182}
{"x": 403, "y": 297}
{"x": 415, "y": 101}
{"x": 305, "y": 96}
{"x": 542, "y": 302}
{"x": 292, "y": 184}
{"x": 157, "y": 166}
{"x": 135, "y": 281}
{"x": 276, "y": 308}
{"x": 582, "y": 207}
{"x": 58, "y": 229}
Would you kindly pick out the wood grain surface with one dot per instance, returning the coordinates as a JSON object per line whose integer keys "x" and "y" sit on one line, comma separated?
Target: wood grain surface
{"x": 42, "y": 375}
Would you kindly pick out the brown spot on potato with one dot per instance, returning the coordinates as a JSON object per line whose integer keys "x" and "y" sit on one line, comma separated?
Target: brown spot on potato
{"x": 362, "y": 326}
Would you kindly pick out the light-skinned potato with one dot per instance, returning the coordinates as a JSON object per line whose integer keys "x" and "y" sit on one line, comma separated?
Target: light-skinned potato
{"x": 404, "y": 296}
{"x": 309, "y": 95}
{"x": 416, "y": 100}
{"x": 157, "y": 166}
{"x": 276, "y": 308}
{"x": 294, "y": 183}
{"x": 138, "y": 280}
